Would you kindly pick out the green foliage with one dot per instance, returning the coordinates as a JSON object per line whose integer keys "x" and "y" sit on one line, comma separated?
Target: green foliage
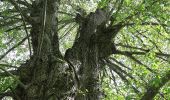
{"x": 146, "y": 32}
{"x": 109, "y": 91}
{"x": 6, "y": 83}
{"x": 103, "y": 3}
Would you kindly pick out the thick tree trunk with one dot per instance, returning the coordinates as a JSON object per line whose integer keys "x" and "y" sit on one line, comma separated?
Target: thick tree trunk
{"x": 93, "y": 44}
{"x": 45, "y": 76}
{"x": 89, "y": 87}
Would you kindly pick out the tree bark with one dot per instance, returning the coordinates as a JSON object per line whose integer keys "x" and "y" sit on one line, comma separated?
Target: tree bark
{"x": 45, "y": 76}
{"x": 93, "y": 44}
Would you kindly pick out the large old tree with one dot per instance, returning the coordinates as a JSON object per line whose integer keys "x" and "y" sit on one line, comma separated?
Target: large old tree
{"x": 84, "y": 50}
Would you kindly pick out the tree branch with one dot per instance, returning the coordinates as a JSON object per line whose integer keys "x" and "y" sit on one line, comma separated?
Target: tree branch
{"x": 12, "y": 22}
{"x": 2, "y": 95}
{"x": 121, "y": 75}
{"x": 152, "y": 90}
{"x": 140, "y": 53}
{"x": 119, "y": 69}
{"x": 147, "y": 23}
{"x": 130, "y": 55}
{"x": 16, "y": 45}
{"x": 14, "y": 77}
{"x": 5, "y": 74}
{"x": 120, "y": 63}
{"x": 6, "y": 65}
{"x": 23, "y": 17}
{"x": 24, "y": 3}
{"x": 28, "y": 19}
{"x": 132, "y": 47}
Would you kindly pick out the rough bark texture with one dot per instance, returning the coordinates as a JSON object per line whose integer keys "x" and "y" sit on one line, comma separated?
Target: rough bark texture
{"x": 93, "y": 43}
{"x": 48, "y": 75}
{"x": 45, "y": 76}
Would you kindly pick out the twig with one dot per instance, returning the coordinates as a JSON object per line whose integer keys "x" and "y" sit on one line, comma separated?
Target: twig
{"x": 24, "y": 24}
{"x": 10, "y": 74}
{"x": 6, "y": 65}
{"x": 2, "y": 95}
{"x": 16, "y": 45}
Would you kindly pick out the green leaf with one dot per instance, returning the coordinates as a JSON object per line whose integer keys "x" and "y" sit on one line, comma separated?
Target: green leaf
{"x": 128, "y": 2}
{"x": 103, "y": 3}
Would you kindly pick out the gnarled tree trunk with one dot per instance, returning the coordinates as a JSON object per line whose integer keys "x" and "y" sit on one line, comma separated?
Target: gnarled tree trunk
{"x": 45, "y": 76}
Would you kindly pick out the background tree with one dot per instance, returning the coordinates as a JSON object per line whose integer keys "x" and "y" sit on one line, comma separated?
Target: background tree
{"x": 84, "y": 50}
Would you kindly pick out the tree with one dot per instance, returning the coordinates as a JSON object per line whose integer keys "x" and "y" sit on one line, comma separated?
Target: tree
{"x": 117, "y": 40}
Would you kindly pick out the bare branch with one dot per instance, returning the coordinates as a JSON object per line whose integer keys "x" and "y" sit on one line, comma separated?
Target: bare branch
{"x": 131, "y": 47}
{"x": 2, "y": 95}
{"x": 122, "y": 76}
{"x": 147, "y": 23}
{"x": 13, "y": 72}
{"x": 23, "y": 16}
{"x": 25, "y": 3}
{"x": 120, "y": 63}
{"x": 10, "y": 74}
{"x": 14, "y": 3}
{"x": 119, "y": 69}
{"x": 16, "y": 45}
{"x": 130, "y": 55}
{"x": 114, "y": 80}
{"x": 14, "y": 28}
{"x": 12, "y": 22}
{"x": 149, "y": 40}
{"x": 6, "y": 65}
{"x": 140, "y": 53}
{"x": 66, "y": 13}
{"x": 68, "y": 30}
